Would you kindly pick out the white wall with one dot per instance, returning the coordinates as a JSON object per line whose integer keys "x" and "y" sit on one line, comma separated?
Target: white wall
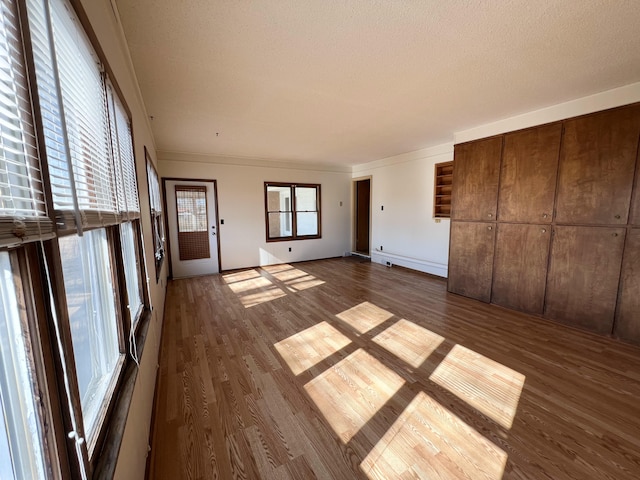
{"x": 406, "y": 229}
{"x": 240, "y": 185}
{"x": 133, "y": 452}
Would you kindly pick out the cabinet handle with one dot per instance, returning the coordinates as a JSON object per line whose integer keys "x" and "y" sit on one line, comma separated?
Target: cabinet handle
{"x": 614, "y": 234}
{"x": 489, "y": 228}
{"x": 544, "y": 215}
{"x": 490, "y": 215}
{"x": 617, "y": 217}
{"x": 544, "y": 230}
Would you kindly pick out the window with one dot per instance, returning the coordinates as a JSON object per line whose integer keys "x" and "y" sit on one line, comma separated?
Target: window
{"x": 88, "y": 286}
{"x": 292, "y": 211}
{"x": 21, "y": 449}
{"x": 71, "y": 262}
{"x": 155, "y": 204}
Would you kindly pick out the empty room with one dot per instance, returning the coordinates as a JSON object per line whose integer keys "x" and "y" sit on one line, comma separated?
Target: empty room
{"x": 319, "y": 239}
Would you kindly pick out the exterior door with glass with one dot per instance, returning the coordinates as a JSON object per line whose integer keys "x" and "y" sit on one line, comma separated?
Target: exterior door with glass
{"x": 192, "y": 221}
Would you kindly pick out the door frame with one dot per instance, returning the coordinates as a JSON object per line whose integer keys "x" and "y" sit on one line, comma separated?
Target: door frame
{"x": 166, "y": 214}
{"x": 354, "y": 210}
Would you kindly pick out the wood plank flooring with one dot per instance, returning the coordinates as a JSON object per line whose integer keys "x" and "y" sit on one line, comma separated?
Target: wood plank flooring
{"x": 343, "y": 369}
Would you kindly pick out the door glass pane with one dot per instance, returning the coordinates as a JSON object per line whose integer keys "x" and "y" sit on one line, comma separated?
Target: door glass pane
{"x": 306, "y": 223}
{"x": 131, "y": 263}
{"x": 20, "y": 441}
{"x": 306, "y": 199}
{"x": 280, "y": 225}
{"x": 89, "y": 290}
{"x": 191, "y": 205}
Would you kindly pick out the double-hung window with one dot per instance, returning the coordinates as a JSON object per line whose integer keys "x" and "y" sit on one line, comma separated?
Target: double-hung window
{"x": 292, "y": 211}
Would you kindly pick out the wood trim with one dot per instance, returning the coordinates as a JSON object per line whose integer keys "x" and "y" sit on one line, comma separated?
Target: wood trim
{"x": 293, "y": 236}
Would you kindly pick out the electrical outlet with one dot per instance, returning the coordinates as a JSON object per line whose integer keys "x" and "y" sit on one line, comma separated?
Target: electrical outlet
{"x": 388, "y": 264}
{"x": 289, "y": 248}
{"x": 380, "y": 247}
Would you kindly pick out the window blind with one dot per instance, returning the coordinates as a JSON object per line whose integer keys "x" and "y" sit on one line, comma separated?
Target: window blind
{"x": 122, "y": 144}
{"x": 71, "y": 84}
{"x": 23, "y": 212}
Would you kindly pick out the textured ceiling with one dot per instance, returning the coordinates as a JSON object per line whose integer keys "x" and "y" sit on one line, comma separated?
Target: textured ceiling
{"x": 347, "y": 82}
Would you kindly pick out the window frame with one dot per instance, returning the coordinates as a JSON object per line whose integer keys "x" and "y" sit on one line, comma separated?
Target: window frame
{"x": 294, "y": 211}
{"x": 157, "y": 217}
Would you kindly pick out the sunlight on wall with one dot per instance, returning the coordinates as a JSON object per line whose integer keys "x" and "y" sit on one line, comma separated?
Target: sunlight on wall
{"x": 268, "y": 258}
{"x": 488, "y": 386}
{"x": 409, "y": 342}
{"x": 309, "y": 347}
{"x": 351, "y": 392}
{"x": 364, "y": 317}
{"x": 429, "y": 441}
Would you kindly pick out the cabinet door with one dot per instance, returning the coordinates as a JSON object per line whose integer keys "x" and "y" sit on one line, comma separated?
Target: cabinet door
{"x": 520, "y": 267}
{"x": 528, "y": 174}
{"x": 471, "y": 259}
{"x": 582, "y": 284}
{"x": 597, "y": 162}
{"x": 634, "y": 216}
{"x": 628, "y": 317}
{"x": 476, "y": 168}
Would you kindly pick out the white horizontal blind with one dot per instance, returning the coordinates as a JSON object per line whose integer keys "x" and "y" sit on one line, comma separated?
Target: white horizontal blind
{"x": 76, "y": 122}
{"x": 154, "y": 189}
{"x": 122, "y": 142}
{"x": 23, "y": 212}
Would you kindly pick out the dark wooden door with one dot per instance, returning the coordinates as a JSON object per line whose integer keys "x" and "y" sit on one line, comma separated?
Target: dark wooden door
{"x": 597, "y": 163}
{"x": 471, "y": 259}
{"x": 584, "y": 274}
{"x": 528, "y": 174}
{"x": 520, "y": 268}
{"x": 476, "y": 169}
{"x": 363, "y": 207}
{"x": 628, "y": 317}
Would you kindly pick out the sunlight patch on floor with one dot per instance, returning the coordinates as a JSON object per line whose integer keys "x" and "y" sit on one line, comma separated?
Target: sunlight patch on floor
{"x": 488, "y": 386}
{"x": 230, "y": 278}
{"x": 309, "y": 347}
{"x": 364, "y": 317}
{"x": 429, "y": 441}
{"x": 409, "y": 342}
{"x": 295, "y": 279}
{"x": 252, "y": 289}
{"x": 351, "y": 392}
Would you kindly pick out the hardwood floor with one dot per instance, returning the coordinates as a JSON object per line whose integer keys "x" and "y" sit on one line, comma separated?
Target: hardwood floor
{"x": 345, "y": 369}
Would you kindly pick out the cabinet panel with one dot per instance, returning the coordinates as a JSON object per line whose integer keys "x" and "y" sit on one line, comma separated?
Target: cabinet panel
{"x": 471, "y": 259}
{"x": 597, "y": 162}
{"x": 634, "y": 216}
{"x": 628, "y": 317}
{"x": 475, "y": 183}
{"x": 528, "y": 174}
{"x": 584, "y": 274}
{"x": 520, "y": 268}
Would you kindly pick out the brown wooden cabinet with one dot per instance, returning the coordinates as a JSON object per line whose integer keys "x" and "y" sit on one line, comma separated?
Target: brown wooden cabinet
{"x": 634, "y": 215}
{"x": 597, "y": 165}
{"x": 520, "y": 268}
{"x": 528, "y": 174}
{"x": 475, "y": 184}
{"x": 471, "y": 259}
{"x": 627, "y": 324}
{"x": 584, "y": 272}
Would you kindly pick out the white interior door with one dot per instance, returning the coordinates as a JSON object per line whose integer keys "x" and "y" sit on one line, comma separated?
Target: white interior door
{"x": 191, "y": 217}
